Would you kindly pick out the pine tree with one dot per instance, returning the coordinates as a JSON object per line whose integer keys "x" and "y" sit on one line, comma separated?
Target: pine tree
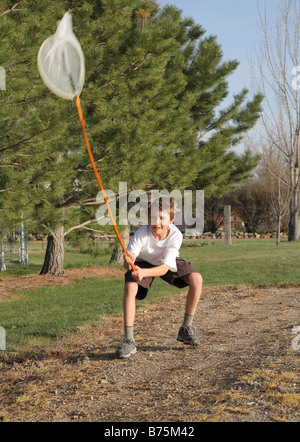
{"x": 153, "y": 83}
{"x": 34, "y": 125}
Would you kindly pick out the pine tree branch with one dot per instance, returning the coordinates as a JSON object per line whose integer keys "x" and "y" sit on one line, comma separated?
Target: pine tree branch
{"x": 19, "y": 62}
{"x": 79, "y": 226}
{"x": 103, "y": 234}
{"x": 12, "y": 9}
{"x": 34, "y": 135}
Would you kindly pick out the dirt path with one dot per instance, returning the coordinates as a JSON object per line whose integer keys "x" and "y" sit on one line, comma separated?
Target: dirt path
{"x": 244, "y": 370}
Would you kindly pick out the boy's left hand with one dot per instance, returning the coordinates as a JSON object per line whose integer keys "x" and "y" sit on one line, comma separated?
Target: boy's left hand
{"x": 138, "y": 274}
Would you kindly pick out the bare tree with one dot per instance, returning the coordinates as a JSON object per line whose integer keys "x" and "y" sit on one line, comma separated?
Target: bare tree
{"x": 273, "y": 173}
{"x": 277, "y": 59}
{"x": 252, "y": 204}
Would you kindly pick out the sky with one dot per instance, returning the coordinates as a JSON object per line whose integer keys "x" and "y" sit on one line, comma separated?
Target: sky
{"x": 235, "y": 23}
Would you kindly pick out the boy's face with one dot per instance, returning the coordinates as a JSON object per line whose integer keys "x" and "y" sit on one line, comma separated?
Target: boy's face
{"x": 159, "y": 223}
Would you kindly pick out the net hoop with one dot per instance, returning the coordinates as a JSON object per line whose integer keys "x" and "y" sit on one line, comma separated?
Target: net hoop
{"x": 61, "y": 61}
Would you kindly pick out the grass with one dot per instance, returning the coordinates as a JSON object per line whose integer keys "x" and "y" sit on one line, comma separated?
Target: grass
{"x": 73, "y": 259}
{"x": 37, "y": 316}
{"x": 274, "y": 382}
{"x": 246, "y": 262}
{"x": 46, "y": 313}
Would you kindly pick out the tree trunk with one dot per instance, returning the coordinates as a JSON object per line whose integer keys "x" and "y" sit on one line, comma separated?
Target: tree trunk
{"x": 54, "y": 257}
{"x": 293, "y": 224}
{"x": 117, "y": 255}
{"x": 294, "y": 207}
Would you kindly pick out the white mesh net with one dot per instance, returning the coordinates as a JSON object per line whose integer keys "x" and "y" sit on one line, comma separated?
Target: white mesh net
{"x": 61, "y": 61}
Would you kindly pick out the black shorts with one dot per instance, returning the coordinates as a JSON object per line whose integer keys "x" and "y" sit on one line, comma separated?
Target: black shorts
{"x": 184, "y": 268}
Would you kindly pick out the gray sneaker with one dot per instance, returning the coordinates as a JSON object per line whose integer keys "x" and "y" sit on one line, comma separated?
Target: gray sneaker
{"x": 126, "y": 349}
{"x": 187, "y": 335}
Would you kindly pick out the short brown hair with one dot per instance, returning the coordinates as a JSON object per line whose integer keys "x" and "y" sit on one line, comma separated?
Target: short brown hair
{"x": 162, "y": 203}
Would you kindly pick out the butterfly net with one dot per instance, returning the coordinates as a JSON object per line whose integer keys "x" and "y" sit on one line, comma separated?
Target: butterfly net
{"x": 61, "y": 66}
{"x": 61, "y": 61}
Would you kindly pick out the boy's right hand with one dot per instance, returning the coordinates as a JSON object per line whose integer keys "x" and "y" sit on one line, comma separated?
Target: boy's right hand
{"x": 128, "y": 259}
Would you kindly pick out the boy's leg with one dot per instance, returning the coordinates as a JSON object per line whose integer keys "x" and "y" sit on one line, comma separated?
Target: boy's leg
{"x": 187, "y": 332}
{"x": 194, "y": 281}
{"x": 128, "y": 347}
{"x": 130, "y": 292}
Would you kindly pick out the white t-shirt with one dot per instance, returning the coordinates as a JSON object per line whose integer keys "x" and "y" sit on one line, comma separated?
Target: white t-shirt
{"x": 146, "y": 247}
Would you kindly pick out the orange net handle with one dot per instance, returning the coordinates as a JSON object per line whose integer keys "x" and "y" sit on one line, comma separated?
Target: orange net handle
{"x": 78, "y": 105}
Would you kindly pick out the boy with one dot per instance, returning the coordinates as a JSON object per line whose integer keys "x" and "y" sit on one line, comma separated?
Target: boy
{"x": 155, "y": 250}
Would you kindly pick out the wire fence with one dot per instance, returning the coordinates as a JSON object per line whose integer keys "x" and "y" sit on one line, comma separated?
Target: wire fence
{"x": 13, "y": 247}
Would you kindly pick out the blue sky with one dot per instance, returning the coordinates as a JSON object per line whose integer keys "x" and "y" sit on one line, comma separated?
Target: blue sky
{"x": 235, "y": 23}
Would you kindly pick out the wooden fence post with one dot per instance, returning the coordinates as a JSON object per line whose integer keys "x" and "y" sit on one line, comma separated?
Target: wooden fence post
{"x": 227, "y": 219}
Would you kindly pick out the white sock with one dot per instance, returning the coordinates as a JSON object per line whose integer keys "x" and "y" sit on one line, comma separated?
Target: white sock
{"x": 129, "y": 332}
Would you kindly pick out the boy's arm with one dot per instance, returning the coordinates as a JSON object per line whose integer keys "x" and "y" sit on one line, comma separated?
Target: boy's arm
{"x": 139, "y": 274}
